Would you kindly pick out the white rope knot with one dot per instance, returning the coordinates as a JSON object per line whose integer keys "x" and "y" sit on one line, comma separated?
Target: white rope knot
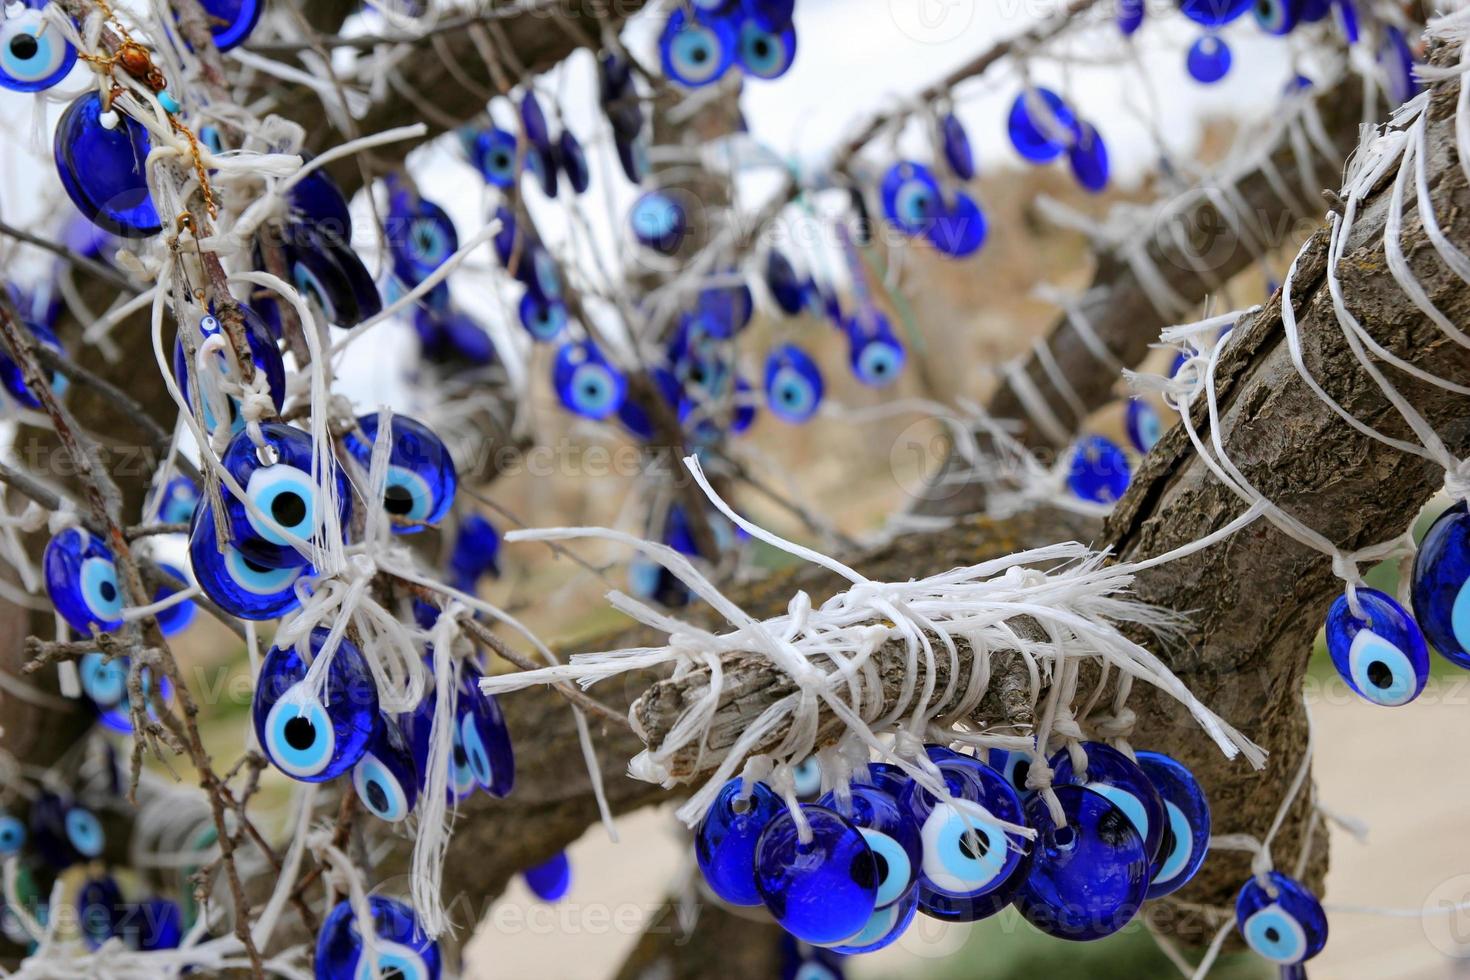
{"x": 1457, "y": 480}
{"x": 1118, "y": 725}
{"x": 61, "y": 518}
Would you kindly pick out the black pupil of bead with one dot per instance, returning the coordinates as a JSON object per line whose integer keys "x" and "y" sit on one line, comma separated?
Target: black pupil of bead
{"x": 789, "y": 395}
{"x": 288, "y": 509}
{"x": 300, "y": 733}
{"x": 974, "y": 846}
{"x": 502, "y": 160}
{"x": 1019, "y": 774}
{"x": 864, "y": 870}
{"x": 393, "y": 973}
{"x": 700, "y": 56}
{"x": 459, "y": 756}
{"x": 880, "y": 368}
{"x": 1379, "y": 675}
{"x": 1170, "y": 842}
{"x": 397, "y": 500}
{"x": 24, "y": 46}
{"x": 1273, "y": 935}
{"x": 376, "y": 796}
{"x": 108, "y": 590}
{"x": 591, "y": 389}
{"x": 261, "y": 569}
{"x": 762, "y": 48}
{"x": 880, "y": 866}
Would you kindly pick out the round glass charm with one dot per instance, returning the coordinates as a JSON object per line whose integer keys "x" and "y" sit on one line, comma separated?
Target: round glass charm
{"x": 1099, "y": 470}
{"x": 102, "y": 169}
{"x": 14, "y": 380}
{"x": 794, "y": 385}
{"x": 955, "y": 143}
{"x": 404, "y": 950}
{"x": 891, "y": 833}
{"x": 587, "y": 383}
{"x": 420, "y": 235}
{"x": 308, "y": 737}
{"x": 483, "y": 736}
{"x": 658, "y": 221}
{"x": 550, "y": 880}
{"x": 1015, "y": 768}
{"x": 237, "y": 584}
{"x": 696, "y": 51}
{"x": 231, "y": 21}
{"x": 1208, "y": 59}
{"x": 885, "y": 927}
{"x": 1121, "y": 780}
{"x": 1089, "y": 878}
{"x": 1441, "y": 585}
{"x": 264, "y": 353}
{"x": 1088, "y": 156}
{"x": 1187, "y": 831}
{"x": 822, "y": 891}
{"x": 724, "y": 841}
{"x": 421, "y": 476}
{"x": 959, "y": 229}
{"x": 1381, "y": 656}
{"x": 1286, "y": 928}
{"x": 64, "y": 833}
{"x": 12, "y": 835}
{"x": 386, "y": 778}
{"x": 1145, "y": 428}
{"x": 786, "y": 286}
{"x": 765, "y": 53}
{"x": 34, "y": 55}
{"x": 81, "y": 581}
{"x": 911, "y": 197}
{"x": 876, "y": 355}
{"x": 288, "y": 500}
{"x": 1041, "y": 125}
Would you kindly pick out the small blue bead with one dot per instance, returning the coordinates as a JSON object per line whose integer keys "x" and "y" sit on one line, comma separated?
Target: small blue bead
{"x": 64, "y": 833}
{"x": 1441, "y": 585}
{"x": 1088, "y": 156}
{"x": 421, "y": 479}
{"x": 14, "y": 381}
{"x": 231, "y": 21}
{"x": 1014, "y": 767}
{"x": 876, "y": 354}
{"x": 1208, "y": 59}
{"x": 403, "y": 948}
{"x": 1099, "y": 470}
{"x": 696, "y": 52}
{"x": 1143, "y": 424}
{"x": 484, "y": 736}
{"x": 823, "y": 891}
{"x": 386, "y": 778}
{"x": 1187, "y": 838}
{"x": 264, "y": 352}
{"x": 955, "y": 143}
{"x": 1287, "y": 929}
{"x": 658, "y": 221}
{"x": 81, "y": 581}
{"x": 765, "y": 53}
{"x": 308, "y": 738}
{"x": 959, "y": 230}
{"x": 153, "y": 924}
{"x": 12, "y": 835}
{"x": 1383, "y": 658}
{"x": 551, "y": 880}
{"x": 100, "y": 910}
{"x": 725, "y": 840}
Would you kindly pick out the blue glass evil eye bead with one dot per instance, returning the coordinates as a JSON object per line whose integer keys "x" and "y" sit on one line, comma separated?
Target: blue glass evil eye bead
{"x": 1381, "y": 655}
{"x": 1088, "y": 156}
{"x": 1213, "y": 13}
{"x": 696, "y": 52}
{"x": 177, "y": 618}
{"x": 1397, "y": 61}
{"x": 484, "y": 737}
{"x": 153, "y": 924}
{"x": 1087, "y": 879}
{"x": 119, "y": 717}
{"x": 1277, "y": 16}
{"x": 544, "y": 319}
{"x": 1441, "y": 585}
{"x": 959, "y": 229}
{"x": 33, "y": 54}
{"x": 475, "y": 553}
{"x": 1042, "y": 125}
{"x": 420, "y": 235}
{"x": 264, "y": 353}
{"x": 790, "y": 291}
{"x": 910, "y": 197}
{"x": 533, "y": 120}
{"x": 493, "y": 152}
{"x": 331, "y": 277}
{"x": 403, "y": 949}
{"x": 1014, "y": 768}
{"x": 766, "y": 53}
{"x": 1208, "y": 59}
{"x": 236, "y": 583}
{"x": 658, "y": 222}
{"x": 63, "y": 832}
{"x": 955, "y": 143}
{"x": 284, "y": 493}
{"x": 387, "y": 778}
{"x": 1144, "y": 426}
{"x": 178, "y": 500}
{"x": 891, "y": 833}
{"x": 822, "y": 891}
{"x": 793, "y": 384}
{"x": 15, "y": 382}
{"x": 231, "y": 21}
{"x": 971, "y": 866}
{"x": 573, "y": 162}
{"x": 1286, "y": 928}
{"x": 1187, "y": 826}
{"x": 102, "y": 169}
{"x": 552, "y": 879}
{"x": 100, "y": 910}
{"x": 81, "y": 580}
{"x": 875, "y": 353}
{"x": 773, "y": 15}
{"x": 1117, "y": 777}
{"x": 308, "y": 737}
{"x": 586, "y": 382}
{"x": 1098, "y": 471}
{"x": 12, "y": 835}
{"x": 725, "y": 840}
{"x": 421, "y": 476}
{"x": 1130, "y": 16}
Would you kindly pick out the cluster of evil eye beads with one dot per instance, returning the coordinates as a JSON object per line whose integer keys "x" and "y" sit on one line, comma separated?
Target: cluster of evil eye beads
{"x": 847, "y": 870}
{"x": 703, "y": 40}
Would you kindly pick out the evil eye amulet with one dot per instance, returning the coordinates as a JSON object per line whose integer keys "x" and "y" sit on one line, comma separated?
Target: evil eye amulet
{"x": 81, "y": 580}
{"x": 822, "y": 891}
{"x": 154, "y": 923}
{"x": 1098, "y": 471}
{"x": 236, "y": 583}
{"x": 1278, "y": 16}
{"x": 1287, "y": 928}
{"x": 891, "y": 833}
{"x": 1089, "y": 878}
{"x": 587, "y": 384}
{"x": 1088, "y": 156}
{"x": 696, "y": 52}
{"x": 231, "y": 21}
{"x": 1381, "y": 655}
{"x": 420, "y": 235}
{"x": 403, "y": 950}
{"x": 419, "y": 724}
{"x": 63, "y": 832}
{"x": 876, "y": 355}
{"x": 1014, "y": 768}
{"x": 102, "y": 169}
{"x": 544, "y": 319}
{"x": 955, "y": 143}
{"x": 971, "y": 866}
{"x": 118, "y": 717}
{"x": 12, "y": 835}
{"x": 1441, "y": 585}
{"x": 1117, "y": 777}
{"x": 1213, "y": 13}
{"x": 1041, "y": 125}
{"x": 421, "y": 477}
{"x": 552, "y": 879}
{"x": 788, "y": 289}
{"x": 282, "y": 491}
{"x": 658, "y": 222}
{"x": 765, "y": 53}
{"x": 263, "y": 352}
{"x": 14, "y": 380}
{"x": 178, "y": 500}
{"x": 1143, "y": 424}
{"x": 1208, "y": 59}
{"x": 794, "y": 385}
{"x": 1187, "y": 826}
{"x": 725, "y": 839}
{"x": 33, "y": 54}
{"x": 315, "y": 738}
{"x": 910, "y": 196}
{"x": 386, "y": 778}
{"x": 100, "y": 910}
{"x": 494, "y": 152}
{"x": 484, "y": 737}
{"x": 573, "y": 162}
{"x": 959, "y": 229}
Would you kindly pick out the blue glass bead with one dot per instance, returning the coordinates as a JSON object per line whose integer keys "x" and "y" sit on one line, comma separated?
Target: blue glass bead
{"x": 822, "y": 891}
{"x": 1117, "y": 777}
{"x": 102, "y": 169}
{"x": 1287, "y": 928}
{"x": 959, "y": 229}
{"x": 231, "y": 21}
{"x": 308, "y": 738}
{"x": 153, "y": 924}
{"x": 1088, "y": 879}
{"x": 1277, "y": 16}
{"x": 1088, "y": 156}
{"x": 234, "y": 582}
{"x": 387, "y": 778}
{"x": 100, "y": 910}
{"x": 476, "y": 551}
{"x": 421, "y": 477}
{"x": 910, "y": 196}
{"x": 483, "y": 736}
{"x": 885, "y": 776}
{"x": 573, "y": 162}
{"x": 1441, "y": 585}
{"x": 33, "y": 55}
{"x": 892, "y": 834}
{"x": 1145, "y": 429}
{"x": 542, "y": 165}
{"x": 806, "y": 776}
{"x": 119, "y": 717}
{"x": 544, "y": 319}
{"x": 1382, "y": 657}
{"x": 264, "y": 353}
{"x": 1347, "y": 16}
{"x": 876, "y": 355}
{"x": 104, "y": 680}
{"x": 420, "y": 236}
{"x": 283, "y": 491}
{"x": 725, "y": 840}
{"x": 696, "y": 52}
{"x": 493, "y": 152}
{"x": 178, "y": 500}
{"x": 765, "y": 53}
{"x": 586, "y": 382}
{"x": 550, "y": 880}
{"x": 1396, "y": 59}
{"x": 955, "y": 143}
{"x": 533, "y": 120}
{"x": 1130, "y": 15}
{"x": 971, "y": 866}
{"x": 725, "y": 310}
{"x": 773, "y": 15}
{"x": 1208, "y": 59}
{"x": 175, "y": 619}
{"x": 317, "y": 200}
{"x": 14, "y": 381}
{"x": 331, "y": 277}
{"x": 12, "y": 835}
{"x": 1213, "y": 13}
{"x": 658, "y": 221}
{"x": 1042, "y": 142}
{"x": 1099, "y": 470}
{"x": 787, "y": 288}
{"x": 81, "y": 580}
{"x": 632, "y": 157}
{"x": 419, "y": 724}
{"x": 651, "y": 582}
{"x": 64, "y": 833}
{"x": 793, "y": 384}
{"x": 403, "y": 949}
{"x": 1014, "y": 768}
{"x": 1187, "y": 829}
{"x": 885, "y": 927}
